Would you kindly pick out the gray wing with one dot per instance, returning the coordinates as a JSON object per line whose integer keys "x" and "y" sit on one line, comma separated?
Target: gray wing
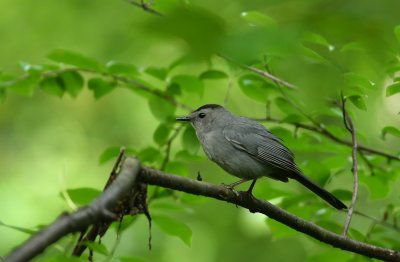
{"x": 253, "y": 138}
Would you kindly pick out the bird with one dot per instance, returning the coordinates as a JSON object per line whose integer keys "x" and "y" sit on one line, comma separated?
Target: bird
{"x": 248, "y": 150}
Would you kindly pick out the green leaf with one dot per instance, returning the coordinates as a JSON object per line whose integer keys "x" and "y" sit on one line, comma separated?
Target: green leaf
{"x": 174, "y": 227}
{"x": 159, "y": 73}
{"x": 353, "y": 46}
{"x": 356, "y": 80}
{"x": 213, "y": 74}
{"x": 378, "y": 188}
{"x": 161, "y": 109}
{"x": 255, "y": 87}
{"x": 397, "y": 32}
{"x": 73, "y": 82}
{"x": 75, "y": 59}
{"x": 342, "y": 194}
{"x": 83, "y": 196}
{"x": 311, "y": 56}
{"x": 257, "y": 18}
{"x": 100, "y": 87}
{"x": 160, "y": 136}
{"x": 110, "y": 153}
{"x": 189, "y": 140}
{"x": 189, "y": 83}
{"x": 117, "y": 68}
{"x": 285, "y": 106}
{"x": 149, "y": 155}
{"x": 20, "y": 229}
{"x": 23, "y": 86}
{"x": 185, "y": 155}
{"x": 358, "y": 101}
{"x": 393, "y": 89}
{"x": 318, "y": 39}
{"x": 390, "y": 130}
{"x": 97, "y": 247}
{"x": 177, "y": 168}
{"x": 53, "y": 86}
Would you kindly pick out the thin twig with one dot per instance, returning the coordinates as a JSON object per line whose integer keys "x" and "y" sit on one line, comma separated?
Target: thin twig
{"x": 145, "y": 6}
{"x": 348, "y": 122}
{"x": 260, "y": 72}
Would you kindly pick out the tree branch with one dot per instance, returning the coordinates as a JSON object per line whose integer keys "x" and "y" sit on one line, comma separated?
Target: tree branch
{"x": 348, "y": 123}
{"x": 98, "y": 210}
{"x": 155, "y": 177}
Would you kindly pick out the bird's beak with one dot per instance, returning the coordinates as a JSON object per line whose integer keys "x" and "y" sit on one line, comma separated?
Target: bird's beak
{"x": 183, "y": 118}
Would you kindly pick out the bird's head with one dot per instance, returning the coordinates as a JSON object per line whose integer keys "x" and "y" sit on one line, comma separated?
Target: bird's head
{"x": 206, "y": 117}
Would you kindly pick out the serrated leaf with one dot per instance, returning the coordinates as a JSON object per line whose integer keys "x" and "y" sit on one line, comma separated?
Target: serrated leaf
{"x": 97, "y": 247}
{"x": 358, "y": 101}
{"x": 174, "y": 227}
{"x": 73, "y": 82}
{"x": 213, "y": 74}
{"x": 22, "y": 86}
{"x": 257, "y": 18}
{"x": 390, "y": 130}
{"x": 397, "y": 32}
{"x": 75, "y": 59}
{"x": 83, "y": 196}
{"x": 189, "y": 83}
{"x": 160, "y": 136}
{"x": 100, "y": 87}
{"x": 125, "y": 69}
{"x": 20, "y": 229}
{"x": 189, "y": 140}
{"x": 159, "y": 73}
{"x": 393, "y": 89}
{"x": 52, "y": 86}
{"x": 255, "y": 87}
{"x": 149, "y": 155}
{"x": 161, "y": 109}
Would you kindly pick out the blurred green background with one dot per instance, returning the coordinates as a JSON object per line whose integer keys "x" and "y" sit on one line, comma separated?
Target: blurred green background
{"x": 50, "y": 144}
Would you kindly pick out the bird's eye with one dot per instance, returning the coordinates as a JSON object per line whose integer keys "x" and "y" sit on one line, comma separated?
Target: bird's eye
{"x": 202, "y": 115}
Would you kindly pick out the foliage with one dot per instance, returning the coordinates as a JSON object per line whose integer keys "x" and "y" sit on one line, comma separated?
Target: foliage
{"x": 209, "y": 53}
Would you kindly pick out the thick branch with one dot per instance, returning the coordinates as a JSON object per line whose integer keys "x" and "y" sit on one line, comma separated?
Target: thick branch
{"x": 155, "y": 177}
{"x": 98, "y": 210}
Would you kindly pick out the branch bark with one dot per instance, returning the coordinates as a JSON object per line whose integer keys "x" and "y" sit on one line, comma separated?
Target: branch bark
{"x": 98, "y": 210}
{"x": 156, "y": 177}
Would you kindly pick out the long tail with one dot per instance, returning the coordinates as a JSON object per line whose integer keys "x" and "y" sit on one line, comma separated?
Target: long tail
{"x": 325, "y": 195}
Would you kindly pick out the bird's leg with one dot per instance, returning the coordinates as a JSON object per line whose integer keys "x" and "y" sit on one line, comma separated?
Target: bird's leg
{"x": 233, "y": 185}
{"x": 249, "y": 191}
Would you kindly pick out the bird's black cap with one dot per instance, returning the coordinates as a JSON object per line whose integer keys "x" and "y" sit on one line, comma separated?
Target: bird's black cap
{"x": 212, "y": 106}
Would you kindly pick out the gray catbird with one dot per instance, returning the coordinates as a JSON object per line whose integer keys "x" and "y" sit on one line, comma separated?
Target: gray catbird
{"x": 246, "y": 149}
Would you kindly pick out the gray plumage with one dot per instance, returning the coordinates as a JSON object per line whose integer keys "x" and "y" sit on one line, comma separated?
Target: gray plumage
{"x": 246, "y": 149}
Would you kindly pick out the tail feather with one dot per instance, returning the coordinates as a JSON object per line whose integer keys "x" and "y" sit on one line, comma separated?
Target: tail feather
{"x": 325, "y": 195}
